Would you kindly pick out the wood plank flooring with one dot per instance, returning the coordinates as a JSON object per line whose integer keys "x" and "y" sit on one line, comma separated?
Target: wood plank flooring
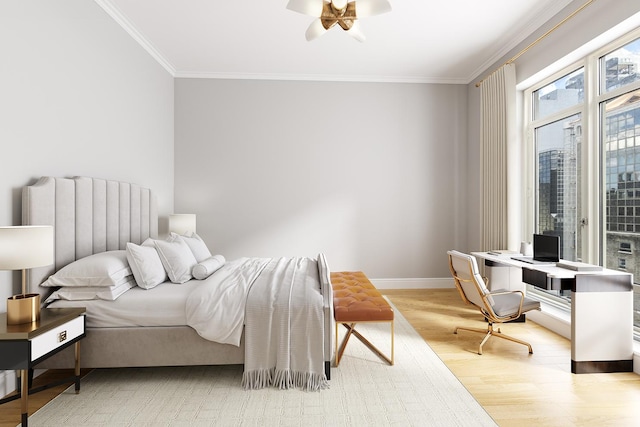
{"x": 515, "y": 388}
{"x": 10, "y": 412}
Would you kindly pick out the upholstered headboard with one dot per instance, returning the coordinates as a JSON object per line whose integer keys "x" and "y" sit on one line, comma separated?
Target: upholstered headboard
{"x": 89, "y": 216}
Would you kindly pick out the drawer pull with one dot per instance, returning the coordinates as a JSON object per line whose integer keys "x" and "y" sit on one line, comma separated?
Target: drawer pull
{"x": 62, "y": 336}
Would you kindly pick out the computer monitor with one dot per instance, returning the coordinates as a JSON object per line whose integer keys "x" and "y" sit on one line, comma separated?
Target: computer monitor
{"x": 546, "y": 248}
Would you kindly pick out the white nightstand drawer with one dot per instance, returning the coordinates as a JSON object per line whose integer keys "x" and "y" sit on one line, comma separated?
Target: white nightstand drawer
{"x": 56, "y": 337}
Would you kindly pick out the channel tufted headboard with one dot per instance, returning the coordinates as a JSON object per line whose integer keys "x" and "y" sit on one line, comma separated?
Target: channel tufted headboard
{"x": 89, "y": 216}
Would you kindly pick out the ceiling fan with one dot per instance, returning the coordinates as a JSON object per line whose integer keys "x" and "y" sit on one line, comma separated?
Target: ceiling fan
{"x": 341, "y": 12}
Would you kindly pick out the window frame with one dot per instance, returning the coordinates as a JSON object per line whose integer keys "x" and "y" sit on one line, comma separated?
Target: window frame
{"x": 593, "y": 178}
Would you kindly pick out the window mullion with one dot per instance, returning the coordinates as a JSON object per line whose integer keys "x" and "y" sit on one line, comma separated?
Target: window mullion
{"x": 592, "y": 204}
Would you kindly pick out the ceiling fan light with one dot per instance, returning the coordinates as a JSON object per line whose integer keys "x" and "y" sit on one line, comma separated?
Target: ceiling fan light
{"x": 337, "y": 12}
{"x": 306, "y": 7}
{"x": 355, "y": 32}
{"x": 339, "y": 4}
{"x": 315, "y": 30}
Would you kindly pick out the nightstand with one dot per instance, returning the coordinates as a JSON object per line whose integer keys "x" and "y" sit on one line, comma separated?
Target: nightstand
{"x": 24, "y": 346}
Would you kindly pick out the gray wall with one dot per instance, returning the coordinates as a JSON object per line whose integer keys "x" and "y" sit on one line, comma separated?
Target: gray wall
{"x": 373, "y": 175}
{"x": 78, "y": 96}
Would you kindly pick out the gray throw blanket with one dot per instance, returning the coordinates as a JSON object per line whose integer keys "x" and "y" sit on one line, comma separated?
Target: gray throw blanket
{"x": 284, "y": 327}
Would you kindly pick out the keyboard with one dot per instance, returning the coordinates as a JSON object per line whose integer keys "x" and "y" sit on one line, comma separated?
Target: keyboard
{"x": 530, "y": 260}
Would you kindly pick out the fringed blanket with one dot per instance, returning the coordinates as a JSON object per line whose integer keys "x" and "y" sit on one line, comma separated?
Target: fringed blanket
{"x": 284, "y": 328}
{"x": 283, "y": 316}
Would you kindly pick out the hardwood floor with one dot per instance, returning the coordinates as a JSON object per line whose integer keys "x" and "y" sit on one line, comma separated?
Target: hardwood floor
{"x": 10, "y": 412}
{"x": 515, "y": 388}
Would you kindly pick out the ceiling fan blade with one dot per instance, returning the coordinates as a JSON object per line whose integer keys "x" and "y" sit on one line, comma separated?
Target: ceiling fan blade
{"x": 356, "y": 33}
{"x": 372, "y": 7}
{"x": 315, "y": 30}
{"x": 306, "y": 7}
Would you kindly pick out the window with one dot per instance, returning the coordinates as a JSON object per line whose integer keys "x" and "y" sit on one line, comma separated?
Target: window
{"x": 620, "y": 67}
{"x": 590, "y": 177}
{"x": 622, "y": 264}
{"x": 567, "y": 91}
{"x": 557, "y": 139}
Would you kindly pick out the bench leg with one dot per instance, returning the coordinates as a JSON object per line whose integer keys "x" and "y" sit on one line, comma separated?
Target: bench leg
{"x": 351, "y": 330}
{"x": 343, "y": 345}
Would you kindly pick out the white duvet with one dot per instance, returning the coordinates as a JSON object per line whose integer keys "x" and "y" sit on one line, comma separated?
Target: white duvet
{"x": 278, "y": 303}
{"x": 216, "y": 308}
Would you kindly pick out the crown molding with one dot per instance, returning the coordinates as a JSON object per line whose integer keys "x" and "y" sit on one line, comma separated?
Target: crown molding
{"x": 122, "y": 20}
{"x": 512, "y": 39}
{"x": 318, "y": 77}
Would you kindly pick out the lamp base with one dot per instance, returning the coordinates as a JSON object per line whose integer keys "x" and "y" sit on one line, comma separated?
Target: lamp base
{"x": 24, "y": 308}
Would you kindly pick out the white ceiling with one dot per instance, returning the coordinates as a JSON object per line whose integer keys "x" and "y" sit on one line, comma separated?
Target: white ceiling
{"x": 449, "y": 41}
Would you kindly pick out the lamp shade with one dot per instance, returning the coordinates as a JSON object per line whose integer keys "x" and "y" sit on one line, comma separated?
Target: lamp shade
{"x": 23, "y": 247}
{"x": 182, "y": 223}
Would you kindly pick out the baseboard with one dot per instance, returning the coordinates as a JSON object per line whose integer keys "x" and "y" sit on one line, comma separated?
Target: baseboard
{"x": 554, "y": 320}
{"x": 417, "y": 283}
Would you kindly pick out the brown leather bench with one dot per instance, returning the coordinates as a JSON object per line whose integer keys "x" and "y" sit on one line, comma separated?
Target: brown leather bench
{"x": 356, "y": 300}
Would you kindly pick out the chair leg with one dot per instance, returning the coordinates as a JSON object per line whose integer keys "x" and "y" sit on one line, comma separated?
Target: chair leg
{"x": 510, "y": 338}
{"x": 489, "y": 332}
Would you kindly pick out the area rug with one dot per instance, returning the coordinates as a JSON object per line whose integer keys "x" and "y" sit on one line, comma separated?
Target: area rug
{"x": 418, "y": 390}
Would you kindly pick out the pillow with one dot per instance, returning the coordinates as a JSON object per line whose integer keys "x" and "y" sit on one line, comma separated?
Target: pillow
{"x": 80, "y": 293}
{"x": 145, "y": 264}
{"x": 176, "y": 257}
{"x": 207, "y": 267}
{"x": 101, "y": 269}
{"x": 197, "y": 246}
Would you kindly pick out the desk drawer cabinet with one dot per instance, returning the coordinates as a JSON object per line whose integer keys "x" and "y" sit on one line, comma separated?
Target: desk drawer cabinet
{"x": 49, "y": 341}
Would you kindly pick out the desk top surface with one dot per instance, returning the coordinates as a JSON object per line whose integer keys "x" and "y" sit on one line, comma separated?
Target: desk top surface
{"x": 550, "y": 269}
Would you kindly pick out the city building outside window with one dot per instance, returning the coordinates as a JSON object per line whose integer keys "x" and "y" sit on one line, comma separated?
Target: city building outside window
{"x": 589, "y": 111}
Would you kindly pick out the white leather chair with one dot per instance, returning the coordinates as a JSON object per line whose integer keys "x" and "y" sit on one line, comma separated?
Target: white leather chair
{"x": 497, "y": 307}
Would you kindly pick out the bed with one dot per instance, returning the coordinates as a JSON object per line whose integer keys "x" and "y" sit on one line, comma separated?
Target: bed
{"x": 95, "y": 218}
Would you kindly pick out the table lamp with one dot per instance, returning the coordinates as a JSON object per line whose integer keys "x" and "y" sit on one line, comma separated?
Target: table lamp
{"x": 23, "y": 247}
{"x": 182, "y": 223}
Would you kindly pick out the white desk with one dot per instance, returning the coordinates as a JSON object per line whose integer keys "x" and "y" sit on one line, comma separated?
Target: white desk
{"x": 601, "y": 311}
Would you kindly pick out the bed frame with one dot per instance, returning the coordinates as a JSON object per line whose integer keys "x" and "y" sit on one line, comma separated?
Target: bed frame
{"x": 92, "y": 215}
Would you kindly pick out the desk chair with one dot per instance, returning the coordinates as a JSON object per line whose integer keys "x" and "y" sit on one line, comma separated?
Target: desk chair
{"x": 497, "y": 307}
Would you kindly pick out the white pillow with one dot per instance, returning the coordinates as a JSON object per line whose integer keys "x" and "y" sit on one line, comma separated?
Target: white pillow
{"x": 101, "y": 269}
{"x": 81, "y": 293}
{"x": 207, "y": 267}
{"x": 146, "y": 264}
{"x": 197, "y": 246}
{"x": 176, "y": 257}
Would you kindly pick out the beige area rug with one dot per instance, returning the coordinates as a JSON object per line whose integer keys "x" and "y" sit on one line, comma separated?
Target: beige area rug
{"x": 419, "y": 390}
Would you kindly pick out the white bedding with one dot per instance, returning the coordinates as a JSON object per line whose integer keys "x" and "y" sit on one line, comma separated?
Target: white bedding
{"x": 160, "y": 306}
{"x": 223, "y": 293}
{"x": 216, "y": 309}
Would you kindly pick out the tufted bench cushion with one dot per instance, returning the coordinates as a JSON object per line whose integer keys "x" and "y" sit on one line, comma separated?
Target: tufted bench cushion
{"x": 356, "y": 300}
